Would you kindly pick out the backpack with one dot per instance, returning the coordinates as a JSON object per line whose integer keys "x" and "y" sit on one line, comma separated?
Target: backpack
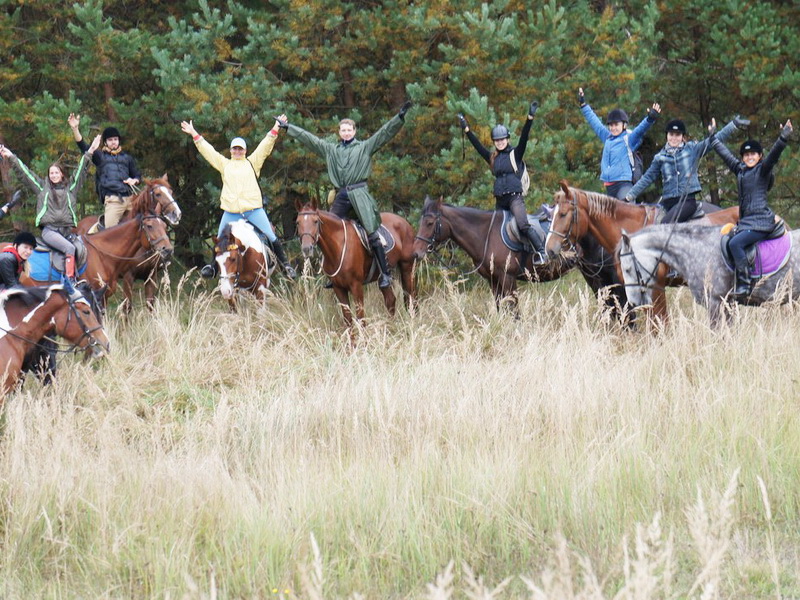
{"x": 637, "y": 164}
{"x": 524, "y": 178}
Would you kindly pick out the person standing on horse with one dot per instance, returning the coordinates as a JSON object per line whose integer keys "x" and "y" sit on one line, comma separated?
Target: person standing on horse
{"x": 619, "y": 145}
{"x": 56, "y": 202}
{"x": 676, "y": 164}
{"x": 349, "y": 163}
{"x": 507, "y": 167}
{"x": 241, "y": 196}
{"x": 754, "y": 178}
{"x": 116, "y": 171}
{"x": 13, "y": 257}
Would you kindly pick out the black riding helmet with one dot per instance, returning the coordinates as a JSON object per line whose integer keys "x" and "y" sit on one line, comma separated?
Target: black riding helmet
{"x": 110, "y": 132}
{"x": 615, "y": 115}
{"x": 675, "y": 126}
{"x": 500, "y": 132}
{"x": 751, "y": 146}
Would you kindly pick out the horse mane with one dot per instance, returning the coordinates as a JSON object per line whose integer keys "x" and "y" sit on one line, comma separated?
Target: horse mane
{"x": 29, "y": 296}
{"x": 140, "y": 203}
{"x": 426, "y": 207}
{"x": 599, "y": 205}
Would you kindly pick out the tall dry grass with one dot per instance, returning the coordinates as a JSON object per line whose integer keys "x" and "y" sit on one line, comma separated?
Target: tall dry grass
{"x": 452, "y": 453}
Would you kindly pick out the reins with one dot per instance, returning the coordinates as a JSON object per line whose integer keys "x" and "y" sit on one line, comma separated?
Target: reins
{"x": 315, "y": 241}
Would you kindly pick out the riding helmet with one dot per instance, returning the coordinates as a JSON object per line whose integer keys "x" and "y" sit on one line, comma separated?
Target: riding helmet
{"x": 751, "y": 146}
{"x": 676, "y": 125}
{"x": 500, "y": 132}
{"x": 25, "y": 237}
{"x": 110, "y": 132}
{"x": 615, "y": 115}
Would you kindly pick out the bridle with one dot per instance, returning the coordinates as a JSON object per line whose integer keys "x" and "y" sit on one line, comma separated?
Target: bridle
{"x": 567, "y": 237}
{"x": 315, "y": 239}
{"x": 641, "y": 281}
{"x": 235, "y": 276}
{"x": 433, "y": 241}
{"x": 159, "y": 209}
{"x": 150, "y": 241}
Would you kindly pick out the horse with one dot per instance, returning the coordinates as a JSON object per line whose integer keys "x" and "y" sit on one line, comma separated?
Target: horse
{"x": 352, "y": 263}
{"x": 694, "y": 250}
{"x": 477, "y": 232}
{"x": 27, "y": 313}
{"x": 244, "y": 262}
{"x": 156, "y": 198}
{"x": 112, "y": 251}
{"x": 580, "y": 213}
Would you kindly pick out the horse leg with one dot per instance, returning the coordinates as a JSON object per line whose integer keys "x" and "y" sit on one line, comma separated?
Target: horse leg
{"x": 390, "y": 300}
{"x": 127, "y": 291}
{"x": 505, "y": 294}
{"x": 409, "y": 286}
{"x": 660, "y": 295}
{"x": 344, "y": 303}
{"x": 150, "y": 287}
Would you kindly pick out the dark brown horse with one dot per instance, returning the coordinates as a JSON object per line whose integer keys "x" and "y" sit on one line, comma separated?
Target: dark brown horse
{"x": 477, "y": 232}
{"x": 346, "y": 261}
{"x": 26, "y": 314}
{"x": 112, "y": 251}
{"x": 580, "y": 214}
{"x": 244, "y": 262}
{"x": 156, "y": 197}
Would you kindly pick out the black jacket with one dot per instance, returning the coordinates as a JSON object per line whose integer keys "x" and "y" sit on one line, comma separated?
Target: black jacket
{"x": 9, "y": 270}
{"x": 506, "y": 181}
{"x": 753, "y": 184}
{"x": 112, "y": 170}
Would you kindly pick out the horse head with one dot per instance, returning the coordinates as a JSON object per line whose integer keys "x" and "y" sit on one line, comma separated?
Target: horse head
{"x": 155, "y": 237}
{"x": 309, "y": 226}
{"x": 563, "y": 229}
{"x": 637, "y": 277}
{"x": 156, "y": 198}
{"x": 77, "y": 321}
{"x": 430, "y": 231}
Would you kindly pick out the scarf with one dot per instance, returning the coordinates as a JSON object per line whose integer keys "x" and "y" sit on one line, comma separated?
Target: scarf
{"x": 114, "y": 152}
{"x": 13, "y": 250}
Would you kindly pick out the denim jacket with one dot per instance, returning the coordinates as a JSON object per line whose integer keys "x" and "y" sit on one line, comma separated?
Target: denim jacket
{"x": 616, "y": 164}
{"x": 678, "y": 169}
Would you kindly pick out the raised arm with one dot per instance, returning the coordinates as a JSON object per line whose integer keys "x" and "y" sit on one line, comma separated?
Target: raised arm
{"x": 476, "y": 143}
{"x": 309, "y": 140}
{"x": 31, "y": 179}
{"x": 206, "y": 150}
{"x": 385, "y": 133}
{"x": 519, "y": 151}
{"x": 264, "y": 148}
{"x": 733, "y": 163}
{"x": 79, "y": 177}
{"x": 778, "y": 147}
{"x": 637, "y": 135}
{"x": 648, "y": 178}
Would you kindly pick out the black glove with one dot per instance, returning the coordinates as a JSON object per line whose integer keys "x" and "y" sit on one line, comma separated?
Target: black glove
{"x": 741, "y": 122}
{"x": 404, "y": 109}
{"x": 282, "y": 123}
{"x": 652, "y": 115}
{"x": 534, "y": 107}
{"x": 462, "y": 121}
{"x": 581, "y": 98}
{"x": 786, "y": 132}
{"x": 15, "y": 199}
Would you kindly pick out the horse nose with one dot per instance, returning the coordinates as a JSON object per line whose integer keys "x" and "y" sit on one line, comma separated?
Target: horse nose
{"x": 419, "y": 254}
{"x": 166, "y": 254}
{"x": 307, "y": 250}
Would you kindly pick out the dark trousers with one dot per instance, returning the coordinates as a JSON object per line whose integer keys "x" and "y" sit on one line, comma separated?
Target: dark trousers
{"x": 342, "y": 207}
{"x": 741, "y": 242}
{"x": 679, "y": 211}
{"x": 619, "y": 189}
{"x": 515, "y": 204}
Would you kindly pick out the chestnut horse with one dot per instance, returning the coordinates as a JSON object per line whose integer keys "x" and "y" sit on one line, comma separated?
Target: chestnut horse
{"x": 244, "y": 262}
{"x": 112, "y": 251}
{"x": 477, "y": 232}
{"x": 346, "y": 261}
{"x": 27, "y": 313}
{"x": 579, "y": 213}
{"x": 156, "y": 197}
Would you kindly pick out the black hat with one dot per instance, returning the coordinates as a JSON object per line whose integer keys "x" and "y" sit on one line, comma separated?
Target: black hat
{"x": 500, "y": 132}
{"x": 751, "y": 146}
{"x": 110, "y": 132}
{"x": 676, "y": 125}
{"x": 615, "y": 115}
{"x": 25, "y": 237}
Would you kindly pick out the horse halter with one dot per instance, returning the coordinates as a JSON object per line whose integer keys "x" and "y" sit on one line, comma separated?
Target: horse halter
{"x": 573, "y": 223}
{"x": 150, "y": 241}
{"x": 236, "y": 274}
{"x": 158, "y": 209}
{"x": 314, "y": 236}
{"x": 641, "y": 282}
{"x": 433, "y": 241}
{"x": 93, "y": 342}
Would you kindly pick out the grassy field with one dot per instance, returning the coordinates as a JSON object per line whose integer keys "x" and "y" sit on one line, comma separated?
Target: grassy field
{"x": 450, "y": 453}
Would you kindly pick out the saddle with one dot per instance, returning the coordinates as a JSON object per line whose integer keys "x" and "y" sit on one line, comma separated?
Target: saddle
{"x": 509, "y": 232}
{"x": 99, "y": 226}
{"x": 699, "y": 213}
{"x": 47, "y": 263}
{"x": 386, "y": 237}
{"x": 765, "y": 257}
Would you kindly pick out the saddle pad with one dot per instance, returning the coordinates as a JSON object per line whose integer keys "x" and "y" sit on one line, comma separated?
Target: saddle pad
{"x": 384, "y": 234}
{"x": 42, "y": 269}
{"x": 772, "y": 255}
{"x": 509, "y": 232}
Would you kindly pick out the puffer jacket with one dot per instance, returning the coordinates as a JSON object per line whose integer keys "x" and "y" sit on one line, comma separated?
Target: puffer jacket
{"x": 506, "y": 180}
{"x": 112, "y": 171}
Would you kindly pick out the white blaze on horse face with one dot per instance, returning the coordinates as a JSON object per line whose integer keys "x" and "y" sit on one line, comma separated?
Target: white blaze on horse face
{"x": 225, "y": 278}
{"x": 638, "y": 295}
{"x": 174, "y": 215}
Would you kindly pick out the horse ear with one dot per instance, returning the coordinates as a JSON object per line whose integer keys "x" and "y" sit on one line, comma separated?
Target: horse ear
{"x": 564, "y": 186}
{"x": 165, "y": 178}
{"x": 298, "y": 206}
{"x": 314, "y": 203}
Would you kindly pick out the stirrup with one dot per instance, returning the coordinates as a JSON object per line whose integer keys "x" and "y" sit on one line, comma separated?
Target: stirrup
{"x": 290, "y": 272}
{"x": 208, "y": 272}
{"x": 384, "y": 281}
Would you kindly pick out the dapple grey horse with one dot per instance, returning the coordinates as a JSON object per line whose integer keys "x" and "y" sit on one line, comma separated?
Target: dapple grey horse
{"x": 694, "y": 251}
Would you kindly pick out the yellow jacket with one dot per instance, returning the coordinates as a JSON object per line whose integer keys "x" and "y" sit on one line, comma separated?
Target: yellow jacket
{"x": 240, "y": 190}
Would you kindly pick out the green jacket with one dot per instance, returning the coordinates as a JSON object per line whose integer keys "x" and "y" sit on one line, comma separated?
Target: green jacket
{"x": 352, "y": 163}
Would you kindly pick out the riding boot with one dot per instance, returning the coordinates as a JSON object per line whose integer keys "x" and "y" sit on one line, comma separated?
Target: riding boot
{"x": 69, "y": 267}
{"x": 385, "y": 280}
{"x": 210, "y": 270}
{"x": 280, "y": 254}
{"x": 741, "y": 289}
{"x": 539, "y": 257}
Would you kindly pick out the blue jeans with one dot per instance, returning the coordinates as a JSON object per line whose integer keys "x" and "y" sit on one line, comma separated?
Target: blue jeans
{"x": 257, "y": 217}
{"x": 741, "y": 242}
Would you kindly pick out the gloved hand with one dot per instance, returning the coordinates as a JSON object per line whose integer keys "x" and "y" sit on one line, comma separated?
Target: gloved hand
{"x": 462, "y": 121}
{"x": 404, "y": 109}
{"x": 581, "y": 97}
{"x": 655, "y": 110}
{"x": 741, "y": 122}
{"x": 282, "y": 123}
{"x": 534, "y": 107}
{"x": 786, "y": 131}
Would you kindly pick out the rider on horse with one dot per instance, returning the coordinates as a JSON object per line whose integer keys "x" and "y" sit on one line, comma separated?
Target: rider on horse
{"x": 241, "y": 196}
{"x": 754, "y": 179}
{"x": 116, "y": 170}
{"x": 349, "y": 164}
{"x": 616, "y": 165}
{"x": 676, "y": 163}
{"x": 507, "y": 167}
{"x": 13, "y": 257}
{"x": 56, "y": 202}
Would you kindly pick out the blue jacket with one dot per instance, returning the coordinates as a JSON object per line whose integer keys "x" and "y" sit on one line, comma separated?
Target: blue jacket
{"x": 616, "y": 164}
{"x": 678, "y": 169}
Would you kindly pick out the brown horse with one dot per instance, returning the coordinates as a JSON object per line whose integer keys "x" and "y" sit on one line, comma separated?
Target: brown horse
{"x": 477, "y": 232}
{"x": 579, "y": 213}
{"x": 156, "y": 198}
{"x": 346, "y": 261}
{"x": 26, "y": 314}
{"x": 112, "y": 251}
{"x": 244, "y": 262}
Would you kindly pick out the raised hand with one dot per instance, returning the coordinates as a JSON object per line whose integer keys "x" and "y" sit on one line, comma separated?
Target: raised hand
{"x": 741, "y": 122}
{"x": 581, "y": 97}
{"x": 188, "y": 128}
{"x": 712, "y": 127}
{"x": 74, "y": 121}
{"x": 282, "y": 121}
{"x": 533, "y": 108}
{"x": 654, "y": 111}
{"x": 462, "y": 122}
{"x": 786, "y": 131}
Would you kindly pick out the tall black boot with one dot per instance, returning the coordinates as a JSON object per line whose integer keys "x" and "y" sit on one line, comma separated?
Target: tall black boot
{"x": 280, "y": 253}
{"x": 539, "y": 257}
{"x": 741, "y": 289}
{"x": 385, "y": 280}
